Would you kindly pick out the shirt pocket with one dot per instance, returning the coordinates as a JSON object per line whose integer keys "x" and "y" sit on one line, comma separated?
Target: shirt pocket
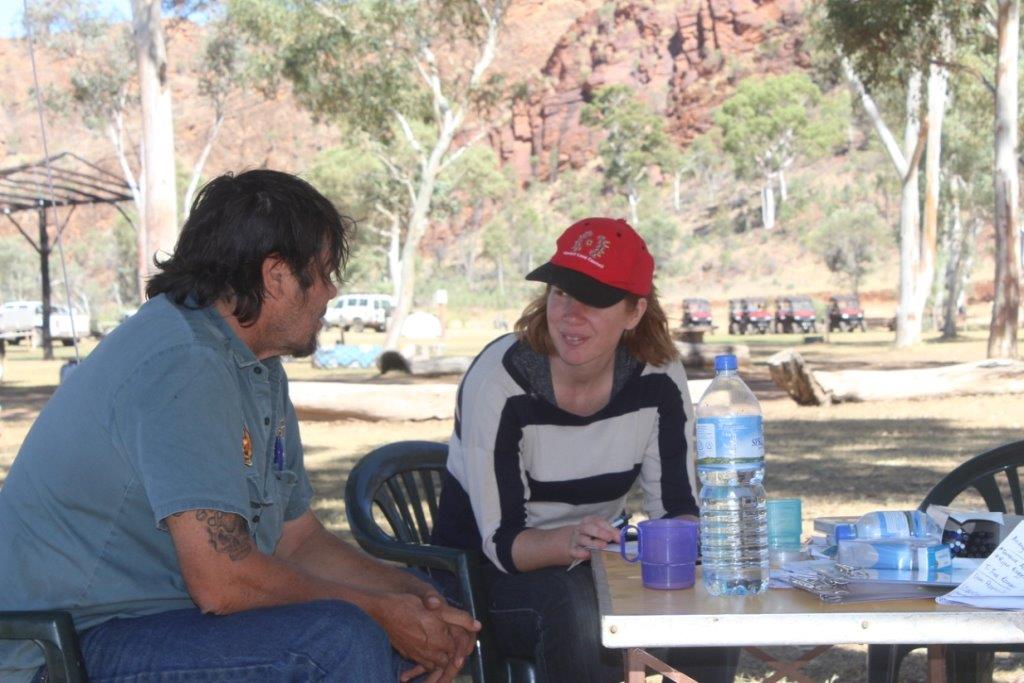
{"x": 286, "y": 481}
{"x": 268, "y": 504}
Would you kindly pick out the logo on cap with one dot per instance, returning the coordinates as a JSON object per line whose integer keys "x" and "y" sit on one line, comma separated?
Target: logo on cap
{"x": 595, "y": 247}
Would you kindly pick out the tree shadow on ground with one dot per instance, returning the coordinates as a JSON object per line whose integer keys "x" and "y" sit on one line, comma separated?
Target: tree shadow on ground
{"x": 24, "y": 403}
{"x": 889, "y": 458}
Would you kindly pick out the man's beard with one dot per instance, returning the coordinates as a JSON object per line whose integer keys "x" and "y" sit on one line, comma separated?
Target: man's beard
{"x": 306, "y": 349}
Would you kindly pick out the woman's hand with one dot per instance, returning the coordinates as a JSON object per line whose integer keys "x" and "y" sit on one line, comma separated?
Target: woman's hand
{"x": 591, "y": 533}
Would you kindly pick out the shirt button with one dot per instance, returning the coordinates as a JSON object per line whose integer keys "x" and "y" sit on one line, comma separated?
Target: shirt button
{"x": 266, "y": 420}
{"x": 256, "y": 518}
{"x": 258, "y": 370}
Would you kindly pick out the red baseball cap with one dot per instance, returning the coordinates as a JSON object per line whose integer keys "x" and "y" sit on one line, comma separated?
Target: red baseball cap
{"x": 598, "y": 261}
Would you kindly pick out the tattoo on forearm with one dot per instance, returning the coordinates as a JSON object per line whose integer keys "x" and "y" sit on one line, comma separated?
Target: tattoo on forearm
{"x": 227, "y": 533}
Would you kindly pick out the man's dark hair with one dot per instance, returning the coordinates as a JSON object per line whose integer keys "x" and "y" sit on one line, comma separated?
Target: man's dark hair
{"x": 238, "y": 221}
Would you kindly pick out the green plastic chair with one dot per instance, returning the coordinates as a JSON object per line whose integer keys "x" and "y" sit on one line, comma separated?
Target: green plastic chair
{"x": 402, "y": 482}
{"x": 55, "y": 633}
{"x": 995, "y": 475}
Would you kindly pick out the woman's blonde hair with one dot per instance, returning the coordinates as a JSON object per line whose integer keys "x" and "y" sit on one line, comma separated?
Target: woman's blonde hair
{"x": 649, "y": 341}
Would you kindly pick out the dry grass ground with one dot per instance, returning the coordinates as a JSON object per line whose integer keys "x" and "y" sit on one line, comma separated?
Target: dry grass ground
{"x": 844, "y": 459}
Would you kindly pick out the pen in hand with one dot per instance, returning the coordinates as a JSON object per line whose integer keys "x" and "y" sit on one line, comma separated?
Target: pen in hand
{"x": 618, "y": 522}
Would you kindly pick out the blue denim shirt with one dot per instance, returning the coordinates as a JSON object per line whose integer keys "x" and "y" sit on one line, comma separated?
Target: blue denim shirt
{"x": 171, "y": 412}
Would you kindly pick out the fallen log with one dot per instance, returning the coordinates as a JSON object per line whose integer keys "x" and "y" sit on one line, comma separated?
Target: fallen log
{"x": 424, "y": 367}
{"x": 790, "y": 374}
{"x": 703, "y": 355}
{"x": 819, "y": 387}
{"x": 393, "y": 402}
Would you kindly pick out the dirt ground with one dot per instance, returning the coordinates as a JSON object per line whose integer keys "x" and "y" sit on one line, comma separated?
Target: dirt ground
{"x": 843, "y": 459}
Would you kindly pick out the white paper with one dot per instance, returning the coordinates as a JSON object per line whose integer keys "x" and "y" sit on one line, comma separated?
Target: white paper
{"x": 614, "y": 548}
{"x": 999, "y": 582}
{"x": 940, "y": 513}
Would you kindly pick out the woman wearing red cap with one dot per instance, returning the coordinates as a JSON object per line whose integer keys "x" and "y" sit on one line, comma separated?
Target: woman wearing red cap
{"x": 553, "y": 426}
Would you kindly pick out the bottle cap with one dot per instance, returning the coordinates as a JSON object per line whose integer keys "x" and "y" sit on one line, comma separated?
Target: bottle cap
{"x": 845, "y": 531}
{"x": 725, "y": 362}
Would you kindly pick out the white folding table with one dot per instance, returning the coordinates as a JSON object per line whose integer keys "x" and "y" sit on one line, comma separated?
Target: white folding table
{"x": 636, "y": 618}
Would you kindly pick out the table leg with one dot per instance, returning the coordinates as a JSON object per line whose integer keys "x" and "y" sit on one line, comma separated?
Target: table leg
{"x": 936, "y": 664}
{"x": 637, "y": 661}
{"x": 792, "y": 669}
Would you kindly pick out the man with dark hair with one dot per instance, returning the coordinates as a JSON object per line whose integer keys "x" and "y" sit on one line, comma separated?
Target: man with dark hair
{"x": 161, "y": 497}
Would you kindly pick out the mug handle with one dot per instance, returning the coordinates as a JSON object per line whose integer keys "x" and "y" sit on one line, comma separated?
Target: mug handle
{"x": 622, "y": 542}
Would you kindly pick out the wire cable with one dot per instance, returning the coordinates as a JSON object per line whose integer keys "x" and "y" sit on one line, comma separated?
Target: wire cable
{"x": 58, "y": 241}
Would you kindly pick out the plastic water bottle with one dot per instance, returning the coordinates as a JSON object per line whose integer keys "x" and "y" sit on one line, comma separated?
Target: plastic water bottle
{"x": 730, "y": 463}
{"x": 909, "y": 554}
{"x": 899, "y": 524}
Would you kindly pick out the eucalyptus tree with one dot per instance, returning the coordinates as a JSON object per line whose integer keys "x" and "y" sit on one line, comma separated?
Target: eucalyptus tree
{"x": 475, "y": 187}
{"x": 887, "y": 44}
{"x": 406, "y": 75}
{"x": 967, "y": 170}
{"x": 103, "y": 91}
{"x": 1002, "y": 337}
{"x": 220, "y": 73}
{"x": 635, "y": 141}
{"x": 160, "y": 205}
{"x": 357, "y": 182}
{"x": 767, "y": 122}
{"x": 849, "y": 238}
{"x": 702, "y": 162}
{"x": 887, "y": 40}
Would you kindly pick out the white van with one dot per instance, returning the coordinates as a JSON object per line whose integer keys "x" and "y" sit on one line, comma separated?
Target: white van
{"x": 356, "y": 311}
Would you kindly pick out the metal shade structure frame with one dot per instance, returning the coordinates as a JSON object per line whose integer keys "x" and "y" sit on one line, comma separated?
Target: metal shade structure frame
{"x": 63, "y": 180}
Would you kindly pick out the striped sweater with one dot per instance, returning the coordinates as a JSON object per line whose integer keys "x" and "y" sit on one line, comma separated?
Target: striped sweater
{"x": 517, "y": 461}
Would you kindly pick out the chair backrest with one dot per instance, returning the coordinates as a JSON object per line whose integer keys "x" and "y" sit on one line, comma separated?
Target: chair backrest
{"x": 994, "y": 474}
{"x": 401, "y": 481}
{"x": 54, "y": 632}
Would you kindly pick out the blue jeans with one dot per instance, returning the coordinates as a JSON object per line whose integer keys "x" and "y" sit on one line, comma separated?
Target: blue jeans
{"x": 551, "y": 616}
{"x": 326, "y": 640}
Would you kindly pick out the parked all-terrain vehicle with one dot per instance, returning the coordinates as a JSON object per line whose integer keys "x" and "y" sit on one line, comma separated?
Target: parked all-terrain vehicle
{"x": 845, "y": 313}
{"x": 757, "y": 315}
{"x": 736, "y": 324}
{"x": 795, "y": 313}
{"x": 696, "y": 313}
{"x": 749, "y": 314}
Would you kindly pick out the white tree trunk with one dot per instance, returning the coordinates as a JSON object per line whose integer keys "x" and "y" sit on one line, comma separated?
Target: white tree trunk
{"x": 634, "y": 202}
{"x": 908, "y": 323}
{"x": 197, "y": 168}
{"x": 432, "y": 164}
{"x": 938, "y": 78}
{"x": 417, "y": 227}
{"x": 955, "y": 248}
{"x": 768, "y": 204}
{"x": 160, "y": 220}
{"x": 908, "y": 316}
{"x": 115, "y": 132}
{"x": 394, "y": 256}
{"x": 783, "y": 187}
{"x": 1002, "y": 335}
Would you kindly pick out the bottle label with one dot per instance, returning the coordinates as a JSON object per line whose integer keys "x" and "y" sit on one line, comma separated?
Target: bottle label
{"x": 733, "y": 438}
{"x": 892, "y": 524}
{"x": 901, "y": 555}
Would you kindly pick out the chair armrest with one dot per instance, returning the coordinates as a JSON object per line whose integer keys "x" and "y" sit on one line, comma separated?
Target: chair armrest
{"x": 433, "y": 556}
{"x": 55, "y": 633}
